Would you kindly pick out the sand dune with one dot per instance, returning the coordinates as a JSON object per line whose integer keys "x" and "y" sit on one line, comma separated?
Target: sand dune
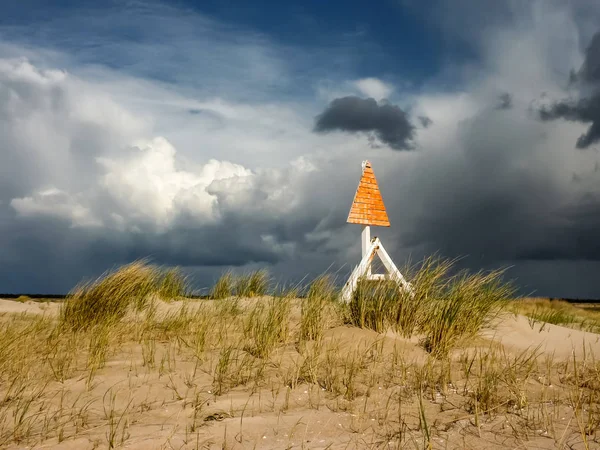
{"x": 169, "y": 401}
{"x": 516, "y": 334}
{"x": 8, "y": 306}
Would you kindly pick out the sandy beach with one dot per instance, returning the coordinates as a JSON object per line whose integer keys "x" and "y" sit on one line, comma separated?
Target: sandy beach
{"x": 155, "y": 392}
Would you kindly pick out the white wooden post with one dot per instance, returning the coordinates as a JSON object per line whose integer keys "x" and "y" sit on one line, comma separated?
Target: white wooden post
{"x": 366, "y": 242}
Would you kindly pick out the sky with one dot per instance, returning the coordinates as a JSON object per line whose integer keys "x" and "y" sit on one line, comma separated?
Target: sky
{"x": 217, "y": 135}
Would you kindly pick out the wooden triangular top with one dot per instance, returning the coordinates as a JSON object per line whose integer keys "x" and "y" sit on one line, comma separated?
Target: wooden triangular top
{"x": 367, "y": 207}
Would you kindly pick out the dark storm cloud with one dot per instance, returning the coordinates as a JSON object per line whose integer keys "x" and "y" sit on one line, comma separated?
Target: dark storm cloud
{"x": 496, "y": 196}
{"x": 505, "y": 101}
{"x": 32, "y": 261}
{"x": 497, "y": 193}
{"x": 386, "y": 121}
{"x": 477, "y": 202}
{"x": 587, "y": 108}
{"x": 590, "y": 70}
{"x": 425, "y": 121}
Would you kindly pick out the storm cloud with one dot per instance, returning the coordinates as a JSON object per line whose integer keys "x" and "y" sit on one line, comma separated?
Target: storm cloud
{"x": 501, "y": 193}
{"x": 98, "y": 169}
{"x": 425, "y": 121}
{"x": 590, "y": 70}
{"x": 585, "y": 109}
{"x": 96, "y": 187}
{"x": 388, "y": 122}
{"x": 505, "y": 101}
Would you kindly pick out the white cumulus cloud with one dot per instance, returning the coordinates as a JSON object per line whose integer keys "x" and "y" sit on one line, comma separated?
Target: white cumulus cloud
{"x": 374, "y": 87}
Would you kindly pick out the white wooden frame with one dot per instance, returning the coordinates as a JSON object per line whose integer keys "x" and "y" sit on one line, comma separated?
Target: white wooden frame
{"x": 370, "y": 247}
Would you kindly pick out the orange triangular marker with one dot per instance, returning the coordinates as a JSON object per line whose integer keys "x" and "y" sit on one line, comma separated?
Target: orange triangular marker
{"x": 367, "y": 207}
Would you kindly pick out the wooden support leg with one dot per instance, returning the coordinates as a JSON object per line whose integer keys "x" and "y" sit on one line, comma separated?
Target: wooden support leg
{"x": 392, "y": 269}
{"x": 358, "y": 272}
{"x": 375, "y": 247}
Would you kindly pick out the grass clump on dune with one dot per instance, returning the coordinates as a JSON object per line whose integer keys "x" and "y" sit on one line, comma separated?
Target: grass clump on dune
{"x": 557, "y": 312}
{"x": 316, "y": 307}
{"x": 443, "y": 309}
{"x": 223, "y": 288}
{"x": 469, "y": 303}
{"x": 172, "y": 284}
{"x": 428, "y": 280}
{"x": 253, "y": 284}
{"x": 374, "y": 304}
{"x": 108, "y": 298}
{"x": 267, "y": 326}
{"x": 380, "y": 305}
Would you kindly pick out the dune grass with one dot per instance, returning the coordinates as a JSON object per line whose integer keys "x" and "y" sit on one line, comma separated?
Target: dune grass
{"x": 557, "y": 312}
{"x": 109, "y": 298}
{"x": 267, "y": 326}
{"x": 317, "y": 307}
{"x": 189, "y": 365}
{"x": 444, "y": 309}
{"x": 172, "y": 284}
{"x": 249, "y": 284}
{"x": 468, "y": 304}
{"x": 252, "y": 284}
{"x": 223, "y": 288}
